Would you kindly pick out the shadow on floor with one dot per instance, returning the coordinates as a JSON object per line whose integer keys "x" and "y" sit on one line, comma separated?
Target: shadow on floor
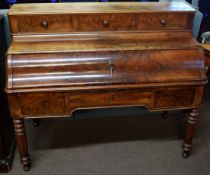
{"x": 66, "y": 133}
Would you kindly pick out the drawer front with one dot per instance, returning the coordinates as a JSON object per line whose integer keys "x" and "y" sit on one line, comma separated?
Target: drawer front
{"x": 109, "y": 22}
{"x": 130, "y": 97}
{"x": 43, "y": 24}
{"x": 100, "y": 22}
{"x": 112, "y": 98}
{"x": 89, "y": 100}
{"x": 174, "y": 98}
{"x": 42, "y": 104}
{"x": 165, "y": 21}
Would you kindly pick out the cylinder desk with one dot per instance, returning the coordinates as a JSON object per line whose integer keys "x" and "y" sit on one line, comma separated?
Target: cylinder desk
{"x": 65, "y": 57}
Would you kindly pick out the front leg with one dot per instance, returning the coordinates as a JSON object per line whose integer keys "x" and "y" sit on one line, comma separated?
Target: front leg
{"x": 22, "y": 143}
{"x": 192, "y": 116}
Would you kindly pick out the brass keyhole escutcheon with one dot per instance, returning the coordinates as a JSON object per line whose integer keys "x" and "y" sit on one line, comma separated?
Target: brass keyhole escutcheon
{"x": 111, "y": 66}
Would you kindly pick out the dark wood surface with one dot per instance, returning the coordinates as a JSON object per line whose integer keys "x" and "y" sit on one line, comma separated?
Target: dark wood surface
{"x": 93, "y": 8}
{"x": 101, "y": 55}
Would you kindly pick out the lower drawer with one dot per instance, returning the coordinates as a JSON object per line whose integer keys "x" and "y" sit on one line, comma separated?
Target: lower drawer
{"x": 129, "y": 97}
{"x": 116, "y": 98}
{"x": 48, "y": 104}
{"x": 174, "y": 98}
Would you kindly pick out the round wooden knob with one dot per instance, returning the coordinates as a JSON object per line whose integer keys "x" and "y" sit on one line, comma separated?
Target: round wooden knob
{"x": 45, "y": 24}
{"x": 105, "y": 23}
{"x": 163, "y": 22}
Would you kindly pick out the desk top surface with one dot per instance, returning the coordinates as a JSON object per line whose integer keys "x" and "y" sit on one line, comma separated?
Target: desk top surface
{"x": 96, "y": 7}
{"x": 102, "y": 42}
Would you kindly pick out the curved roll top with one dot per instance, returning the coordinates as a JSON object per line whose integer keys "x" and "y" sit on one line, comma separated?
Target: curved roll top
{"x": 88, "y": 69}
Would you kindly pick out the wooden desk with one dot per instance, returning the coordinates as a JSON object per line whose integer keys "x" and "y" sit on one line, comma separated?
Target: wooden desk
{"x": 66, "y": 57}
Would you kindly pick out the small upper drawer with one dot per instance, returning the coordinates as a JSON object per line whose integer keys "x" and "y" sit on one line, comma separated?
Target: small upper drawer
{"x": 41, "y": 23}
{"x": 165, "y": 21}
{"x": 107, "y": 22}
{"x": 62, "y": 23}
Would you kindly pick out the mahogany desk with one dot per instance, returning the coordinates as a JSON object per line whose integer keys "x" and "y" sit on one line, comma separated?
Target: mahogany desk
{"x": 66, "y": 57}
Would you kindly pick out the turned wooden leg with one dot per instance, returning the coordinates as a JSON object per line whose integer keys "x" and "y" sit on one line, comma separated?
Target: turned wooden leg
{"x": 36, "y": 122}
{"x": 192, "y": 116}
{"x": 22, "y": 143}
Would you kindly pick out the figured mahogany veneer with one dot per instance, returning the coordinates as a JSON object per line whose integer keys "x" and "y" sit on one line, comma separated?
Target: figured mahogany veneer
{"x": 65, "y": 57}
